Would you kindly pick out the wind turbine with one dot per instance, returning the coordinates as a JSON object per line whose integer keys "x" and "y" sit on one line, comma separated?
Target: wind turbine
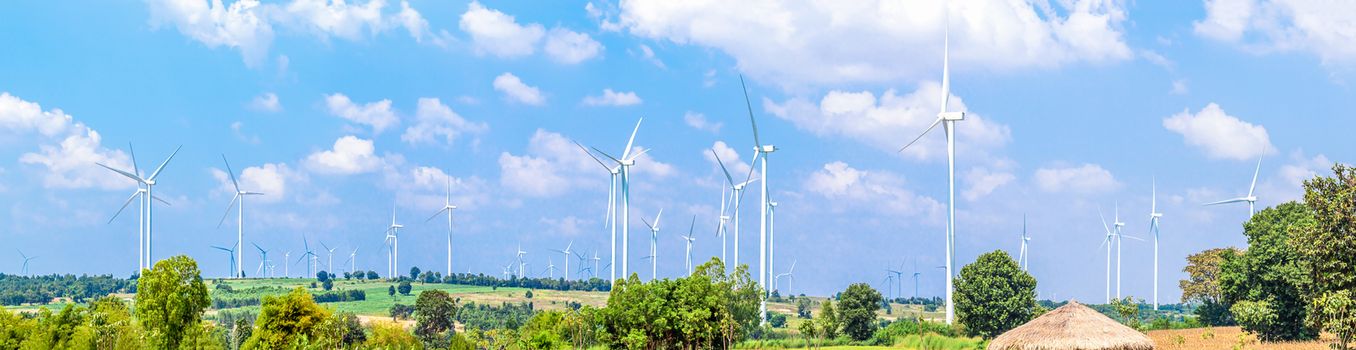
{"x": 889, "y": 282}
{"x": 240, "y": 212}
{"x": 329, "y": 263}
{"x": 611, "y": 215}
{"x": 567, "y": 258}
{"x": 583, "y": 265}
{"x": 915, "y": 278}
{"x": 626, "y": 161}
{"x": 310, "y": 267}
{"x": 771, "y": 235}
{"x": 596, "y": 259}
{"x": 948, "y": 121}
{"x": 447, "y": 207}
{"x": 230, "y": 253}
{"x": 1154, "y": 216}
{"x": 263, "y": 259}
{"x": 762, "y": 150}
{"x": 1120, "y": 232}
{"x": 899, "y": 280}
{"x": 24, "y": 270}
{"x": 790, "y": 276}
{"x": 1025, "y": 256}
{"x": 737, "y": 196}
{"x": 147, "y": 205}
{"x": 654, "y": 240}
{"x": 1107, "y": 241}
{"x": 1251, "y": 198}
{"x": 550, "y": 268}
{"x": 393, "y": 248}
{"x": 689, "y": 239}
{"x": 521, "y": 262}
{"x": 287, "y": 269}
{"x": 352, "y": 260}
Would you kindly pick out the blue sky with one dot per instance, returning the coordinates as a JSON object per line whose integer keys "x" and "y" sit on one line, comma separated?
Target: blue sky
{"x": 340, "y": 111}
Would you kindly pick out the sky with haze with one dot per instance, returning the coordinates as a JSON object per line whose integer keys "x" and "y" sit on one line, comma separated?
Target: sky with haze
{"x": 343, "y": 111}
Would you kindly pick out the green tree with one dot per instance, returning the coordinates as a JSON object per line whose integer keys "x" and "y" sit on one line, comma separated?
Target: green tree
{"x": 434, "y": 313}
{"x": 1269, "y": 275}
{"x": 284, "y": 319}
{"x": 371, "y": 275}
{"x": 390, "y": 335}
{"x": 391, "y": 291}
{"x": 404, "y": 288}
{"x": 857, "y": 310}
{"x": 1203, "y": 285}
{"x": 1127, "y": 308}
{"x": 994, "y": 295}
{"x": 322, "y": 276}
{"x": 803, "y": 306}
{"x": 170, "y": 300}
{"x": 828, "y": 319}
{"x": 109, "y": 325}
{"x": 414, "y": 273}
{"x": 809, "y": 330}
{"x": 1328, "y": 252}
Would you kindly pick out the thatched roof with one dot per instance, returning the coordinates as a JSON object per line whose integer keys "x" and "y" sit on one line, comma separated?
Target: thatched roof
{"x": 1072, "y": 326}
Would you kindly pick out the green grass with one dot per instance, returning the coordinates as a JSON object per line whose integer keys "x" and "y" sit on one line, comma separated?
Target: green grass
{"x": 378, "y": 302}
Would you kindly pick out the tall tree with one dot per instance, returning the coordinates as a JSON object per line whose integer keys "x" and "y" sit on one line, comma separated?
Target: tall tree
{"x": 994, "y": 295}
{"x": 1202, "y": 285}
{"x": 284, "y": 319}
{"x": 1328, "y": 252}
{"x": 434, "y": 313}
{"x": 170, "y": 300}
{"x": 857, "y": 310}
{"x": 1268, "y": 276}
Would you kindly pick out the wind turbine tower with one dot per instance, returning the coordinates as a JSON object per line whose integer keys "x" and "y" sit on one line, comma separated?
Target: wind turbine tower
{"x": 447, "y": 207}
{"x": 240, "y": 211}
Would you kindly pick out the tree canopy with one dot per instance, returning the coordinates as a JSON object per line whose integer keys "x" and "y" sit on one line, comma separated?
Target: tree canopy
{"x": 170, "y": 299}
{"x": 994, "y": 295}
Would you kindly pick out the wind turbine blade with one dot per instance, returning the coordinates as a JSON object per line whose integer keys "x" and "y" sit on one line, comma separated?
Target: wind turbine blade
{"x": 1133, "y": 237}
{"x": 1226, "y": 201}
{"x": 637, "y": 155}
{"x": 626, "y": 153}
{"x": 134, "y": 159}
{"x": 946, "y": 65}
{"x": 920, "y": 136}
{"x": 749, "y": 104}
{"x": 614, "y": 159}
{"x": 124, "y": 206}
{"x": 157, "y": 199}
{"x": 1103, "y": 217}
{"x": 724, "y": 170}
{"x": 691, "y": 227}
{"x": 231, "y": 173}
{"x": 1254, "y": 176}
{"x": 124, "y": 173}
{"x": 595, "y": 158}
{"x": 435, "y": 215}
{"x": 228, "y": 210}
{"x": 656, "y": 217}
{"x": 1153, "y": 196}
{"x": 166, "y": 162}
{"x": 647, "y": 223}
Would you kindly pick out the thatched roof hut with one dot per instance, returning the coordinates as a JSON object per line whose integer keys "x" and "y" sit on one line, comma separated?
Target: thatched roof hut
{"x": 1072, "y": 326}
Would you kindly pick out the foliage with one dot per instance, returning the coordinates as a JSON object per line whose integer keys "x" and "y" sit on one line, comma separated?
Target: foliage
{"x": 486, "y": 317}
{"x": 170, "y": 299}
{"x": 404, "y": 288}
{"x": 401, "y": 312}
{"x": 776, "y": 319}
{"x": 994, "y": 295}
{"x": 1269, "y": 276}
{"x": 828, "y": 319}
{"x": 19, "y": 290}
{"x": 322, "y": 276}
{"x": 371, "y": 275}
{"x": 1203, "y": 285}
{"x": 707, "y": 309}
{"x": 803, "y": 306}
{"x": 414, "y": 273}
{"x": 434, "y": 312}
{"x": 389, "y": 335}
{"x": 282, "y": 319}
{"x": 1328, "y": 252}
{"x": 857, "y": 310}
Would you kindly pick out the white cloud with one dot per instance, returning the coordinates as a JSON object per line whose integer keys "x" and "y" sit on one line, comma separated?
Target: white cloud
{"x": 647, "y": 165}
{"x": 1084, "y": 179}
{"x": 739, "y": 170}
{"x": 1220, "y": 135}
{"x": 568, "y": 226}
{"x": 498, "y": 34}
{"x": 798, "y": 43}
{"x": 377, "y": 115}
{"x": 1288, "y": 183}
{"x": 569, "y": 47}
{"x": 267, "y": 102}
{"x": 515, "y": 90}
{"x": 69, "y": 149}
{"x": 271, "y": 179}
{"x": 983, "y": 181}
{"x": 698, "y": 121}
{"x": 551, "y": 166}
{"x": 248, "y": 25}
{"x": 846, "y": 188}
{"x": 888, "y": 122}
{"x": 436, "y": 122}
{"x": 237, "y": 129}
{"x": 350, "y": 155}
{"x": 613, "y": 98}
{"x": 648, "y": 54}
{"x": 1179, "y": 87}
{"x": 1261, "y": 26}
{"x": 423, "y": 187}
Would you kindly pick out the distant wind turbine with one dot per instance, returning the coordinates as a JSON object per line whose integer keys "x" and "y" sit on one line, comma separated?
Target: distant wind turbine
{"x": 654, "y": 241}
{"x": 567, "y": 253}
{"x": 240, "y": 211}
{"x": 1251, "y": 198}
{"x": 1024, "y": 256}
{"x": 149, "y": 182}
{"x": 611, "y": 216}
{"x": 329, "y": 263}
{"x": 1154, "y": 216}
{"x": 447, "y": 207}
{"x": 24, "y": 270}
{"x": 393, "y": 247}
{"x": 763, "y": 151}
{"x": 263, "y": 260}
{"x": 688, "y": 240}
{"x": 235, "y": 270}
{"x": 626, "y": 161}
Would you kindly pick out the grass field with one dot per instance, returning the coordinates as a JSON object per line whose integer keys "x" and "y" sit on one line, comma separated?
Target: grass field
{"x": 1225, "y": 338}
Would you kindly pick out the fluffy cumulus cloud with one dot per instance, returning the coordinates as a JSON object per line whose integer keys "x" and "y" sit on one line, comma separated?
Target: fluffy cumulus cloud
{"x": 1082, "y": 179}
{"x": 569, "y": 47}
{"x": 271, "y": 179}
{"x": 423, "y": 187}
{"x": 67, "y": 148}
{"x": 798, "y": 43}
{"x": 436, "y": 123}
{"x": 613, "y": 98}
{"x": 515, "y": 90}
{"x": 739, "y": 170}
{"x": 499, "y": 34}
{"x": 350, "y": 155}
{"x": 698, "y": 121}
{"x": 891, "y": 120}
{"x": 377, "y": 115}
{"x": 547, "y": 168}
{"x": 249, "y": 25}
{"x": 981, "y": 181}
{"x": 1321, "y": 27}
{"x": 267, "y": 102}
{"x": 846, "y": 188}
{"x": 1220, "y": 135}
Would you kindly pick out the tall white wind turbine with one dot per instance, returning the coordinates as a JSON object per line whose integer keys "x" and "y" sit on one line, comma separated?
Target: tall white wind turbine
{"x": 393, "y": 249}
{"x": 146, "y": 205}
{"x": 448, "y": 208}
{"x": 1025, "y": 255}
{"x": 736, "y": 198}
{"x": 1107, "y": 241}
{"x": 626, "y": 161}
{"x": 263, "y": 260}
{"x": 688, "y": 240}
{"x": 353, "y": 260}
{"x": 567, "y": 253}
{"x": 1251, "y": 198}
{"x": 24, "y": 270}
{"x": 240, "y": 211}
{"x": 948, "y": 121}
{"x": 790, "y": 276}
{"x": 760, "y": 151}
{"x": 1119, "y": 227}
{"x": 329, "y": 258}
{"x": 235, "y": 271}
{"x": 521, "y": 263}
{"x": 611, "y": 216}
{"x": 1154, "y": 216}
{"x": 654, "y": 242}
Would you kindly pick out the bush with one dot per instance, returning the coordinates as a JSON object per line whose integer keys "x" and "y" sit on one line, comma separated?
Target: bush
{"x": 401, "y": 312}
{"x": 283, "y": 319}
{"x": 776, "y": 320}
{"x": 994, "y": 295}
{"x": 404, "y": 288}
{"x": 857, "y": 310}
{"x": 170, "y": 301}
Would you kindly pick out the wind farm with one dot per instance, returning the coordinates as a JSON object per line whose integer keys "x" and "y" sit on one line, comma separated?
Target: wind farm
{"x": 504, "y": 126}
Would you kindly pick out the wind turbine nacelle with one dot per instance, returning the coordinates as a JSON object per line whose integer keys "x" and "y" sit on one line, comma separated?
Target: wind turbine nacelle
{"x": 765, "y": 149}
{"x": 628, "y": 162}
{"x": 951, "y": 115}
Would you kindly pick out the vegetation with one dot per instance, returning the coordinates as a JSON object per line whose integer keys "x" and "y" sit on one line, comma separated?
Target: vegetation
{"x": 19, "y": 290}
{"x": 434, "y": 312}
{"x": 994, "y": 295}
{"x": 857, "y": 311}
{"x": 1328, "y": 253}
{"x": 170, "y": 300}
{"x": 1202, "y": 285}
{"x": 708, "y": 309}
{"x": 1263, "y": 283}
